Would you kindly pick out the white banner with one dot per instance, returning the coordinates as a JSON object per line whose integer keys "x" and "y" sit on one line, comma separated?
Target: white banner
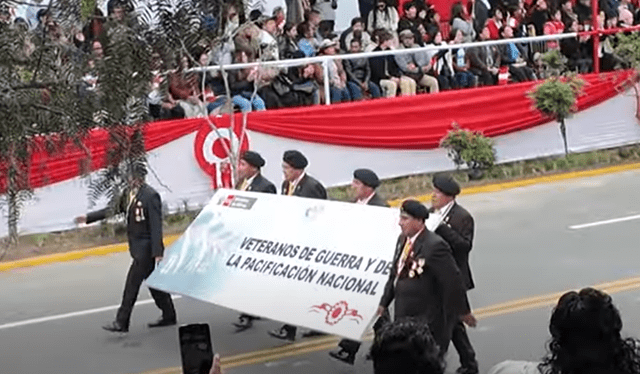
{"x": 313, "y": 263}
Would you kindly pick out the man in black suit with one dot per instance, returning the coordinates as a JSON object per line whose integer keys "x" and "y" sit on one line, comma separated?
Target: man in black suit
{"x": 142, "y": 207}
{"x": 250, "y": 179}
{"x": 424, "y": 280}
{"x": 364, "y": 185}
{"x": 249, "y": 176}
{"x": 457, "y": 230}
{"x": 297, "y": 183}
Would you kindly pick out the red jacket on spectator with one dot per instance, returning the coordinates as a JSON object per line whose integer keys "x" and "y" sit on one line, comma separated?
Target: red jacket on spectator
{"x": 553, "y": 27}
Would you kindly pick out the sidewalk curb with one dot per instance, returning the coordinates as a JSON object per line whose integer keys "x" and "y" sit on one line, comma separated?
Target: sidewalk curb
{"x": 74, "y": 255}
{"x": 495, "y": 187}
{"x": 115, "y": 248}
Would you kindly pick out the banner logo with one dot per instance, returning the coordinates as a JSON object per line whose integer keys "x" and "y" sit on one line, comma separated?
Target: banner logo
{"x": 211, "y": 149}
{"x": 335, "y": 313}
{"x": 242, "y": 202}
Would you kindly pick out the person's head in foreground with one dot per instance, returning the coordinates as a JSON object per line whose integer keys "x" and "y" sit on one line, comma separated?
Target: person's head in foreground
{"x": 585, "y": 337}
{"x": 406, "y": 347}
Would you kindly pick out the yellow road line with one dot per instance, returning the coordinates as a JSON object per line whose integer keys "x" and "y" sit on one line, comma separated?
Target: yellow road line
{"x": 114, "y": 248}
{"x": 324, "y": 343}
{"x": 495, "y": 187}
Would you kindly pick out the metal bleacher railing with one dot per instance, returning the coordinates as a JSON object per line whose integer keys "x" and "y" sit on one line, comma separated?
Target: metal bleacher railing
{"x": 324, "y": 60}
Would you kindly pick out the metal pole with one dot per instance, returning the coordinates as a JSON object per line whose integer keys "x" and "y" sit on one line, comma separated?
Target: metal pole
{"x": 325, "y": 73}
{"x": 596, "y": 37}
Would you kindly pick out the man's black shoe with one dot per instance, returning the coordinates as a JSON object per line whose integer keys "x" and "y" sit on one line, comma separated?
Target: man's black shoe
{"x": 465, "y": 370}
{"x": 283, "y": 334}
{"x": 245, "y": 322}
{"x": 343, "y": 356}
{"x": 312, "y": 333}
{"x": 162, "y": 322}
{"x": 116, "y": 327}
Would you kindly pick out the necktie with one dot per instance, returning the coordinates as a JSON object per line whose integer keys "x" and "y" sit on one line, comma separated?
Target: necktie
{"x": 244, "y": 185}
{"x": 405, "y": 254}
{"x": 290, "y": 189}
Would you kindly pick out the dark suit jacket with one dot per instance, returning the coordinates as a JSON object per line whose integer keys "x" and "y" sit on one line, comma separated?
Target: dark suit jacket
{"x": 308, "y": 187}
{"x": 261, "y": 184}
{"x": 144, "y": 222}
{"x": 437, "y": 295}
{"x": 457, "y": 230}
{"x": 376, "y": 200}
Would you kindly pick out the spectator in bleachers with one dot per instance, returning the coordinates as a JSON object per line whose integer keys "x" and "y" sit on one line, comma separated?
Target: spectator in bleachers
{"x": 287, "y": 43}
{"x": 183, "y": 88}
{"x": 415, "y": 65}
{"x": 625, "y": 15}
{"x": 356, "y": 31}
{"x": 327, "y": 10}
{"x": 568, "y": 15}
{"x": 242, "y": 84}
{"x": 538, "y": 15}
{"x": 411, "y": 21}
{"x": 161, "y": 105}
{"x": 463, "y": 77}
{"x": 281, "y": 19}
{"x": 385, "y": 71}
{"x": 481, "y": 11}
{"x": 586, "y": 338}
{"x": 579, "y": 52}
{"x": 313, "y": 18}
{"x": 583, "y": 10}
{"x": 407, "y": 347}
{"x": 383, "y": 16}
{"x": 442, "y": 63}
{"x": 359, "y": 74}
{"x": 296, "y": 87}
{"x": 306, "y": 42}
{"x": 485, "y": 60}
{"x": 296, "y": 10}
{"x": 460, "y": 21}
{"x": 495, "y": 23}
{"x": 513, "y": 56}
{"x": 337, "y": 76}
{"x": 552, "y": 27}
{"x": 94, "y": 29}
{"x": 431, "y": 24}
{"x": 268, "y": 44}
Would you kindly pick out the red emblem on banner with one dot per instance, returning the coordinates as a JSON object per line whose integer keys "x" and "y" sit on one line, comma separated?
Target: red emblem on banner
{"x": 336, "y": 312}
{"x": 211, "y": 151}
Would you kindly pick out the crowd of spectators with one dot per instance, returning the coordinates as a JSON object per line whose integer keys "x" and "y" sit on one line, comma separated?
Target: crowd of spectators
{"x": 308, "y": 29}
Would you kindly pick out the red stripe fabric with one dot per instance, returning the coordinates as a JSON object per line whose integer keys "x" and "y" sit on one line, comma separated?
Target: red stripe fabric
{"x": 416, "y": 122}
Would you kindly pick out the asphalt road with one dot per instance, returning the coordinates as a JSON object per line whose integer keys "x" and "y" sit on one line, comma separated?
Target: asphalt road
{"x": 50, "y": 316}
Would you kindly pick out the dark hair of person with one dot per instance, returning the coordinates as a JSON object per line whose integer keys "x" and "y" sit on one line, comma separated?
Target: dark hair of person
{"x": 585, "y": 337}
{"x": 357, "y": 20}
{"x": 406, "y": 346}
{"x": 456, "y": 11}
{"x": 303, "y": 28}
{"x": 408, "y": 5}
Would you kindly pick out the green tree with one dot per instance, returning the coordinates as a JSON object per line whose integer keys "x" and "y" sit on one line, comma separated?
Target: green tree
{"x": 38, "y": 82}
{"x": 470, "y": 148}
{"x": 556, "y": 97}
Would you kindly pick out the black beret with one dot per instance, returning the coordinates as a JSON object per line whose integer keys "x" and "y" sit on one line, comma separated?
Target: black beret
{"x": 367, "y": 177}
{"x": 415, "y": 209}
{"x": 253, "y": 158}
{"x": 295, "y": 159}
{"x": 446, "y": 184}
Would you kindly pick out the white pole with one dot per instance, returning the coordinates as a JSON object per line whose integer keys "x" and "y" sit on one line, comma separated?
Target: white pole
{"x": 325, "y": 73}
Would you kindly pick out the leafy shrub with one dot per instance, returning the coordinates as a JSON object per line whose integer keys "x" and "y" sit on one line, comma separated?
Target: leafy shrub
{"x": 471, "y": 148}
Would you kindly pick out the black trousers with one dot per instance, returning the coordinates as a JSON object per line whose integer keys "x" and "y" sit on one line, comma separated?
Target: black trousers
{"x": 352, "y": 346}
{"x": 461, "y": 342}
{"x": 138, "y": 272}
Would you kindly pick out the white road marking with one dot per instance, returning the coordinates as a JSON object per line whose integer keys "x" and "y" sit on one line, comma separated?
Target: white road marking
{"x": 72, "y": 314}
{"x": 605, "y": 222}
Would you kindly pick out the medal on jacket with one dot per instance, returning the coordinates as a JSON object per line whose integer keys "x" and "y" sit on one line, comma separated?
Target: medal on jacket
{"x": 139, "y": 212}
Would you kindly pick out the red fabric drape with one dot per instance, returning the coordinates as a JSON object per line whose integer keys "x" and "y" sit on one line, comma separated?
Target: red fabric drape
{"x": 417, "y": 122}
